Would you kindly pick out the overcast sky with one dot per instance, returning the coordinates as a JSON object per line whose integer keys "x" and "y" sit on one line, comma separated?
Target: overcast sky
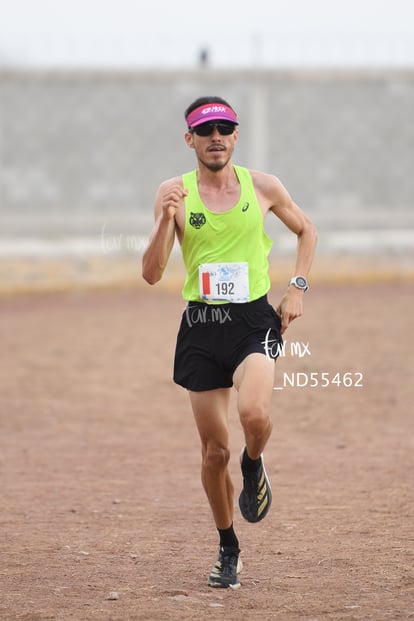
{"x": 171, "y": 34}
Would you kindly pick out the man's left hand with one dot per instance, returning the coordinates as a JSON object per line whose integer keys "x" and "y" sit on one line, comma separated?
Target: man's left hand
{"x": 290, "y": 307}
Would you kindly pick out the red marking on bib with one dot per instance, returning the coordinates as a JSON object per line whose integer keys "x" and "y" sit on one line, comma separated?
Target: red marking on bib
{"x": 206, "y": 283}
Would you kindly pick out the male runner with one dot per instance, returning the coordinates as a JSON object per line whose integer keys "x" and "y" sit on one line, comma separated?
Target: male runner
{"x": 229, "y": 332}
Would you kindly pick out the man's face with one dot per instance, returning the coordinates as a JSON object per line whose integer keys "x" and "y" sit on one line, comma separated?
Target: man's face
{"x": 215, "y": 146}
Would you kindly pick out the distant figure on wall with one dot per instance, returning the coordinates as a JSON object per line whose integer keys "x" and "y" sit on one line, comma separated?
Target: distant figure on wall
{"x": 203, "y": 57}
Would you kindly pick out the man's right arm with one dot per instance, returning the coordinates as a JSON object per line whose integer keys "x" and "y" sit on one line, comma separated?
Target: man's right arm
{"x": 169, "y": 199}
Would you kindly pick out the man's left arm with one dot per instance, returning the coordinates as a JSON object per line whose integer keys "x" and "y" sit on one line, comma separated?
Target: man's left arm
{"x": 291, "y": 305}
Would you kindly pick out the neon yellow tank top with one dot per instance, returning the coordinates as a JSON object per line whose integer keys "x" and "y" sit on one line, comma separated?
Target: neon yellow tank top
{"x": 236, "y": 235}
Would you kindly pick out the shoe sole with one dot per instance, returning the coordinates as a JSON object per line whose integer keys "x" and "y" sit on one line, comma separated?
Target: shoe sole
{"x": 269, "y": 493}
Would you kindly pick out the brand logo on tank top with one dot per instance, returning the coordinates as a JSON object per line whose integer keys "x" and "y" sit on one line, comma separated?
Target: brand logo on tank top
{"x": 245, "y": 207}
{"x": 197, "y": 220}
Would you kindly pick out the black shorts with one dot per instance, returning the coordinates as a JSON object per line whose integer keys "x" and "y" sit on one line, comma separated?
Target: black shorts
{"x": 214, "y": 339}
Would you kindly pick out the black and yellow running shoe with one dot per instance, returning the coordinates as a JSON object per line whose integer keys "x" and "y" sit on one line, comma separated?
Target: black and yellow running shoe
{"x": 228, "y": 565}
{"x": 256, "y": 496}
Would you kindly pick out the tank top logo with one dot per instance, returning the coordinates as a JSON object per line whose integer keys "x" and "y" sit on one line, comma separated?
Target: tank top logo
{"x": 197, "y": 220}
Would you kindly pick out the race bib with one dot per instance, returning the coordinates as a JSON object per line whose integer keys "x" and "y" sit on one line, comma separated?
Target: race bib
{"x": 227, "y": 282}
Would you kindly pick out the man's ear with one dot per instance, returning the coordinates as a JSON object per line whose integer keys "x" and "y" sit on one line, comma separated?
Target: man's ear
{"x": 188, "y": 136}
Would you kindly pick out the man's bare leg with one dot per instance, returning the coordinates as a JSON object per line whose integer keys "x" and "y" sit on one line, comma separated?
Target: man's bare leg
{"x": 254, "y": 380}
{"x": 210, "y": 410}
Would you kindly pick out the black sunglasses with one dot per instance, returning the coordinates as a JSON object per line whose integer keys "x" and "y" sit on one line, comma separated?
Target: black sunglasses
{"x": 206, "y": 129}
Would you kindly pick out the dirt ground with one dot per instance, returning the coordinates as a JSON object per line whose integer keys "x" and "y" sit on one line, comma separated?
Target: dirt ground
{"x": 102, "y": 511}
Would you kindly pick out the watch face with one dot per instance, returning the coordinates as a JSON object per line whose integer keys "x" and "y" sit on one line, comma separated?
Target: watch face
{"x": 301, "y": 282}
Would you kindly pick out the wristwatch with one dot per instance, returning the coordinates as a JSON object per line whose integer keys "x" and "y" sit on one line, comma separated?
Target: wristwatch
{"x": 300, "y": 282}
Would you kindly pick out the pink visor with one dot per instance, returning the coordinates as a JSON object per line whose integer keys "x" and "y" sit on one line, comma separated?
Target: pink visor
{"x": 211, "y": 112}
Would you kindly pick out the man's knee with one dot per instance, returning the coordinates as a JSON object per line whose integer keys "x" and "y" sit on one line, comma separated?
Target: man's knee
{"x": 215, "y": 457}
{"x": 255, "y": 419}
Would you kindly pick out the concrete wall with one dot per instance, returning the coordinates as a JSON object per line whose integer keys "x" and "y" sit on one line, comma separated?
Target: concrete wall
{"x": 81, "y": 149}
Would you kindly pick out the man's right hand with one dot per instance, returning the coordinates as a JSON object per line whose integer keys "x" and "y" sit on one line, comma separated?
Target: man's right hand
{"x": 172, "y": 200}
